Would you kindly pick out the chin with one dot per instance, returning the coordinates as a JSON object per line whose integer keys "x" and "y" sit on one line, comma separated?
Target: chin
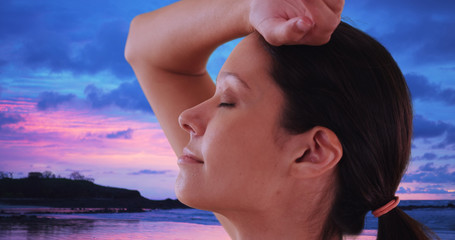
{"x": 188, "y": 193}
{"x": 194, "y": 195}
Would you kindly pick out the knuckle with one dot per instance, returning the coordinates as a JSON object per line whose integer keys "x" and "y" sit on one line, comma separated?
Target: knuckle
{"x": 335, "y": 5}
{"x": 339, "y": 6}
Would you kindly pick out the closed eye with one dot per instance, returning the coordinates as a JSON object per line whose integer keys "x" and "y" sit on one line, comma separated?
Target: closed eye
{"x": 223, "y": 104}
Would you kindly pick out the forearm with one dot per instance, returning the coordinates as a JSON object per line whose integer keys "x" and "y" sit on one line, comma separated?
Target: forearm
{"x": 179, "y": 38}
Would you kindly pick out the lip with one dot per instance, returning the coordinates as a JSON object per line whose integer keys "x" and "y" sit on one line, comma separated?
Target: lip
{"x": 189, "y": 158}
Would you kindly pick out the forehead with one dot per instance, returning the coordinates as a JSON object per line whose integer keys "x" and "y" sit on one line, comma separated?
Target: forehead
{"x": 248, "y": 62}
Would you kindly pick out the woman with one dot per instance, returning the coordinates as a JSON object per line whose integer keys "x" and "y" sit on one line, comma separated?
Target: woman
{"x": 293, "y": 142}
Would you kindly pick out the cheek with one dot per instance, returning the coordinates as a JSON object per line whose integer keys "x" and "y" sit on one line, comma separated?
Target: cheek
{"x": 241, "y": 149}
{"x": 235, "y": 138}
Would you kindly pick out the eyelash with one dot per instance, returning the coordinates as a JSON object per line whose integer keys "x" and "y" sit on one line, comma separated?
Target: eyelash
{"x": 228, "y": 105}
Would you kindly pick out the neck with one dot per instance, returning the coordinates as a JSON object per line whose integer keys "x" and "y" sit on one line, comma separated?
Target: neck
{"x": 302, "y": 217}
{"x": 266, "y": 227}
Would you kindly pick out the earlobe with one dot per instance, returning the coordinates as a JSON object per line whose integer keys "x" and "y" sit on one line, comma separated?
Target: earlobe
{"x": 321, "y": 152}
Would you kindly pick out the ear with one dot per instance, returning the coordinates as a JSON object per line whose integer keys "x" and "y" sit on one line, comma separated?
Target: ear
{"x": 321, "y": 151}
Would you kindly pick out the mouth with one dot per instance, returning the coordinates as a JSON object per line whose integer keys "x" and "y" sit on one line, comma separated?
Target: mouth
{"x": 189, "y": 158}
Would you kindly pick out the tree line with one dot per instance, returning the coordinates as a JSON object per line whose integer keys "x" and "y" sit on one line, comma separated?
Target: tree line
{"x": 75, "y": 175}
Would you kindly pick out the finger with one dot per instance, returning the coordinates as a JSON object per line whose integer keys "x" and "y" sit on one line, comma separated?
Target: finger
{"x": 326, "y": 20}
{"x": 301, "y": 27}
{"x": 303, "y": 24}
{"x": 279, "y": 31}
{"x": 271, "y": 30}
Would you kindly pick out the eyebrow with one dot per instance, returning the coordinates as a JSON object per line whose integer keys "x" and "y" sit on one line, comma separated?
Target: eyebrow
{"x": 235, "y": 76}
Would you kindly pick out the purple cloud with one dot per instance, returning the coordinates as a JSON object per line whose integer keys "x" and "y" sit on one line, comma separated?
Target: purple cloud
{"x": 48, "y": 100}
{"x": 435, "y": 189}
{"x": 429, "y": 173}
{"x": 125, "y": 134}
{"x": 147, "y": 171}
{"x": 9, "y": 118}
{"x": 128, "y": 96}
{"x": 426, "y": 156}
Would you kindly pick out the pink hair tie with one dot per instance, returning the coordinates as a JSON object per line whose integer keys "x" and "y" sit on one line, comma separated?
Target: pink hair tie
{"x": 386, "y": 208}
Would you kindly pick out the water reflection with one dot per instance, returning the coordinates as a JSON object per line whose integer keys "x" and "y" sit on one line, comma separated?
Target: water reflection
{"x": 177, "y": 224}
{"x": 36, "y": 228}
{"x": 106, "y": 229}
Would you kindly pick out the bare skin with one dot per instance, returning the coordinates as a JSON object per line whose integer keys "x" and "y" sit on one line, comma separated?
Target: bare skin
{"x": 234, "y": 157}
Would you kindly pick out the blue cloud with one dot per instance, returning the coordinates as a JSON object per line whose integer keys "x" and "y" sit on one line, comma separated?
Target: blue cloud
{"x": 447, "y": 157}
{"x": 128, "y": 96}
{"x": 61, "y": 37}
{"x": 37, "y": 43}
{"x": 429, "y": 173}
{"x": 147, "y": 171}
{"x": 125, "y": 134}
{"x": 426, "y": 156}
{"x": 449, "y": 140}
{"x": 421, "y": 29}
{"x": 424, "y": 128}
{"x": 448, "y": 95}
{"x": 106, "y": 51}
{"x": 48, "y": 100}
{"x": 26, "y": 19}
{"x": 422, "y": 88}
{"x": 418, "y": 7}
{"x": 429, "y": 167}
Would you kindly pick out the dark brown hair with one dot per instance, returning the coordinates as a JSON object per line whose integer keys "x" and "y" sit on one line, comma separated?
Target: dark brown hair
{"x": 353, "y": 86}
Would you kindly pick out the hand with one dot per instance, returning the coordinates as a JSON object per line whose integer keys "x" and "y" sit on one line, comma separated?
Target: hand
{"x": 291, "y": 22}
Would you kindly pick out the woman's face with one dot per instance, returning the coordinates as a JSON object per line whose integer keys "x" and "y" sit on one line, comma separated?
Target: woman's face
{"x": 234, "y": 157}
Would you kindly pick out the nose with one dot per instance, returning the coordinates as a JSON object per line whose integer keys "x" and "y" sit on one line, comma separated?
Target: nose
{"x": 191, "y": 121}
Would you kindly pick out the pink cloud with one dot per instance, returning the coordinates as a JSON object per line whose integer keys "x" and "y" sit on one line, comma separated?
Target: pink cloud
{"x": 80, "y": 137}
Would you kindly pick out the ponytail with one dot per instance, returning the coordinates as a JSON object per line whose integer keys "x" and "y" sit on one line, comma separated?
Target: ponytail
{"x": 397, "y": 225}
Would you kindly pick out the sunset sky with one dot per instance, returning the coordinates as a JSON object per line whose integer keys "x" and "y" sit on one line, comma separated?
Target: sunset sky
{"x": 70, "y": 102}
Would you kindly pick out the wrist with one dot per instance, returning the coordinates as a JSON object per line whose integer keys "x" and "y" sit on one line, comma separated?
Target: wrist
{"x": 240, "y": 15}
{"x": 248, "y": 27}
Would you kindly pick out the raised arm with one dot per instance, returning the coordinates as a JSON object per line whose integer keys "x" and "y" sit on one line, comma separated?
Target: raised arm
{"x": 169, "y": 48}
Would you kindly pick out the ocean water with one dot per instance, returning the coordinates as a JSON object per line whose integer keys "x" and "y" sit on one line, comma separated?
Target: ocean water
{"x": 181, "y": 224}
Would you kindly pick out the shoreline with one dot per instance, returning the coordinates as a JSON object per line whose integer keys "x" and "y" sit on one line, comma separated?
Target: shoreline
{"x": 130, "y": 204}
{"x": 47, "y": 210}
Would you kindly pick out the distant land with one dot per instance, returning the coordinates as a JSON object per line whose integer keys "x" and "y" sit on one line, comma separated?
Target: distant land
{"x": 69, "y": 193}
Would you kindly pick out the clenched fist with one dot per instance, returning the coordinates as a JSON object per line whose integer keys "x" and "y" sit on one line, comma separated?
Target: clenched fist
{"x": 288, "y": 22}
